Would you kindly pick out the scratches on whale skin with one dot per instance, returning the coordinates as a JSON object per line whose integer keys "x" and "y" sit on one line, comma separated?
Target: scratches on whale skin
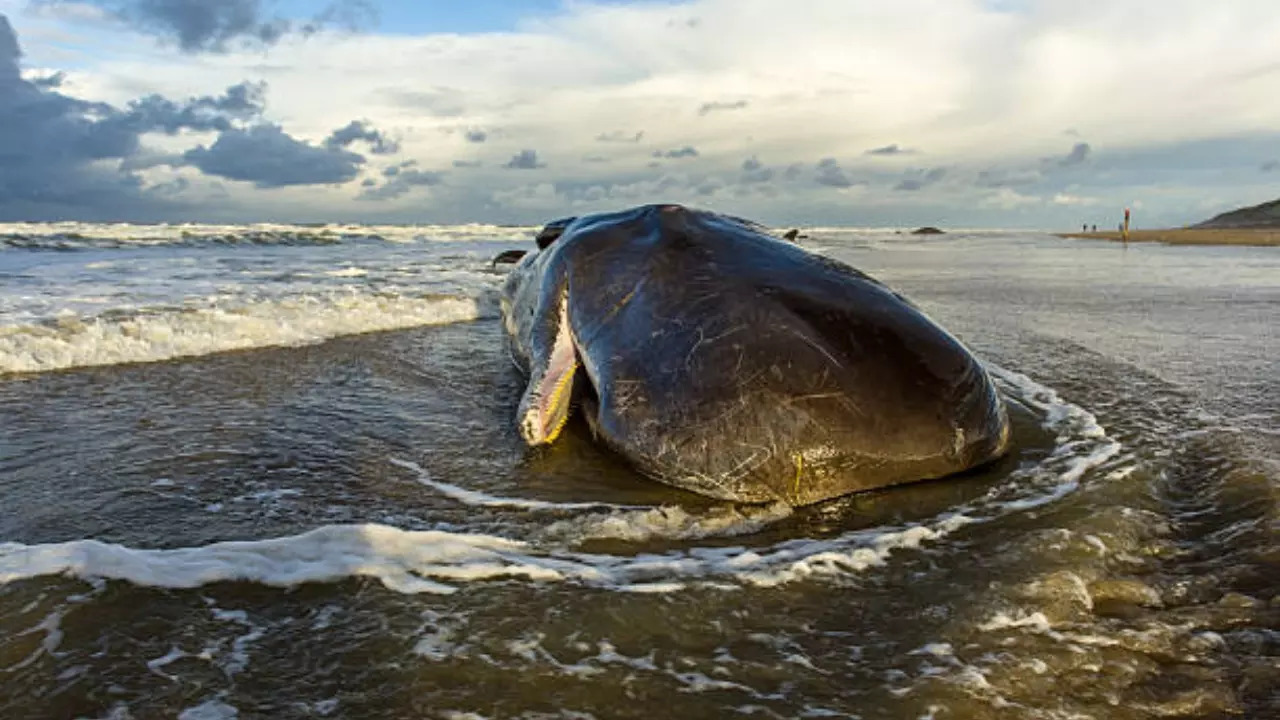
{"x": 703, "y": 339}
{"x": 817, "y": 347}
{"x": 625, "y": 299}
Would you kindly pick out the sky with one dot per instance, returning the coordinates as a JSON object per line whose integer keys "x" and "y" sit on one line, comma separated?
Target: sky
{"x": 956, "y": 113}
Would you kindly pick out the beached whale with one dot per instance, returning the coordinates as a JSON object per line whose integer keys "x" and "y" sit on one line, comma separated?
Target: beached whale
{"x": 717, "y": 358}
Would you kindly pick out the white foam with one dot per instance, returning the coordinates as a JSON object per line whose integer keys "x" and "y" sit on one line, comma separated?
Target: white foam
{"x": 479, "y": 499}
{"x": 438, "y": 561}
{"x": 428, "y": 561}
{"x": 668, "y": 521}
{"x": 73, "y": 342}
{"x": 211, "y": 709}
{"x": 76, "y": 235}
{"x": 402, "y": 560}
{"x": 348, "y": 272}
{"x": 51, "y": 626}
{"x": 1081, "y": 444}
{"x": 175, "y": 654}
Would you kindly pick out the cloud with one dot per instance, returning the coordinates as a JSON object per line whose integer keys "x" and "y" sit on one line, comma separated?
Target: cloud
{"x": 525, "y": 160}
{"x": 831, "y": 174}
{"x": 1073, "y": 200}
{"x": 476, "y": 136}
{"x": 618, "y": 136}
{"x": 1009, "y": 199}
{"x": 1007, "y": 177}
{"x": 402, "y": 182}
{"x": 1270, "y": 166}
{"x": 893, "y": 149}
{"x": 202, "y": 114}
{"x": 442, "y": 102}
{"x": 1079, "y": 153}
{"x": 49, "y": 82}
{"x": 466, "y": 163}
{"x": 711, "y": 107}
{"x": 920, "y": 179}
{"x": 687, "y": 151}
{"x": 215, "y": 25}
{"x": 379, "y": 143}
{"x": 754, "y": 171}
{"x": 268, "y": 157}
{"x": 986, "y": 93}
{"x": 393, "y": 170}
{"x": 65, "y": 157}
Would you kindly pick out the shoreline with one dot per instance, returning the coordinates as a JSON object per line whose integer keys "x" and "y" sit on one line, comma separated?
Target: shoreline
{"x": 1261, "y": 237}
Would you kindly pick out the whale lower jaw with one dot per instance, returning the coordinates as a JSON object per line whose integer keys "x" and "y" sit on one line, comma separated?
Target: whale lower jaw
{"x": 546, "y": 405}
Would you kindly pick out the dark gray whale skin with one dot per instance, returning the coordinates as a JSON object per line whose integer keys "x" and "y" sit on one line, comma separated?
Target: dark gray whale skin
{"x": 719, "y": 359}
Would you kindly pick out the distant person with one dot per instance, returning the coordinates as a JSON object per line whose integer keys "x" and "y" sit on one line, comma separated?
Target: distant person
{"x": 1084, "y": 227}
{"x": 1095, "y": 229}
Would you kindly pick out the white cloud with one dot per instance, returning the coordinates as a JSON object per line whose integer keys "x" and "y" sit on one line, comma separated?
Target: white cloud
{"x": 1075, "y": 200}
{"x": 1009, "y": 199}
{"x": 975, "y": 88}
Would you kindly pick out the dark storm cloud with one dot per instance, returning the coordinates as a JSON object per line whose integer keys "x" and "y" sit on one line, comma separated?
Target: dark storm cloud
{"x": 476, "y": 136}
{"x": 919, "y": 179}
{"x": 716, "y": 106}
{"x": 893, "y": 149}
{"x": 10, "y": 52}
{"x": 213, "y": 25}
{"x": 525, "y": 160}
{"x": 618, "y": 136}
{"x": 362, "y": 130}
{"x": 831, "y": 174}
{"x": 57, "y": 152}
{"x": 50, "y": 145}
{"x": 402, "y": 182}
{"x": 685, "y": 152}
{"x": 350, "y": 15}
{"x": 268, "y": 157}
{"x": 155, "y": 113}
{"x": 170, "y": 188}
{"x": 49, "y": 82}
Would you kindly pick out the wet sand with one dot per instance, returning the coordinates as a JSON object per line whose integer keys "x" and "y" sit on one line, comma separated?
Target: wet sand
{"x": 1190, "y": 236}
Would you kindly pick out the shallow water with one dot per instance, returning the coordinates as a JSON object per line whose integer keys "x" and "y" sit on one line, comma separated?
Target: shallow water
{"x": 348, "y": 525}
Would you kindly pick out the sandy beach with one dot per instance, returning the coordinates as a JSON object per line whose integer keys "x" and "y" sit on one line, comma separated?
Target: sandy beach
{"x": 1190, "y": 236}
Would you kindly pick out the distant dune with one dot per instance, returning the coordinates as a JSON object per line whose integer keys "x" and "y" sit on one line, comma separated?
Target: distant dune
{"x": 1264, "y": 216}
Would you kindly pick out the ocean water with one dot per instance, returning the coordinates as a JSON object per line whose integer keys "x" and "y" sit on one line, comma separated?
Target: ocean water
{"x": 271, "y": 471}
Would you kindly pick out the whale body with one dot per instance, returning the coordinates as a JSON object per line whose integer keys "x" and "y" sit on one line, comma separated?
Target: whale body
{"x": 719, "y": 359}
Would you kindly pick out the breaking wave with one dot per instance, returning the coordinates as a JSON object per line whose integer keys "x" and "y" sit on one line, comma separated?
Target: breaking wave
{"x": 166, "y": 333}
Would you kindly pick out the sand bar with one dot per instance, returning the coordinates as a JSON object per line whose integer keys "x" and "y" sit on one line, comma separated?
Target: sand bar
{"x": 1190, "y": 236}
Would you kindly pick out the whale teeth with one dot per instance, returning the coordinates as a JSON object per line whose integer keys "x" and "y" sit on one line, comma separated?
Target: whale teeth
{"x": 545, "y": 408}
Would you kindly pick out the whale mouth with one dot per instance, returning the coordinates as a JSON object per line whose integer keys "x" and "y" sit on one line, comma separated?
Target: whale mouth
{"x": 547, "y": 403}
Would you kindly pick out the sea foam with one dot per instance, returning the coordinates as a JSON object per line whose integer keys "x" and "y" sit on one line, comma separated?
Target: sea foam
{"x": 72, "y": 341}
{"x": 437, "y": 561}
